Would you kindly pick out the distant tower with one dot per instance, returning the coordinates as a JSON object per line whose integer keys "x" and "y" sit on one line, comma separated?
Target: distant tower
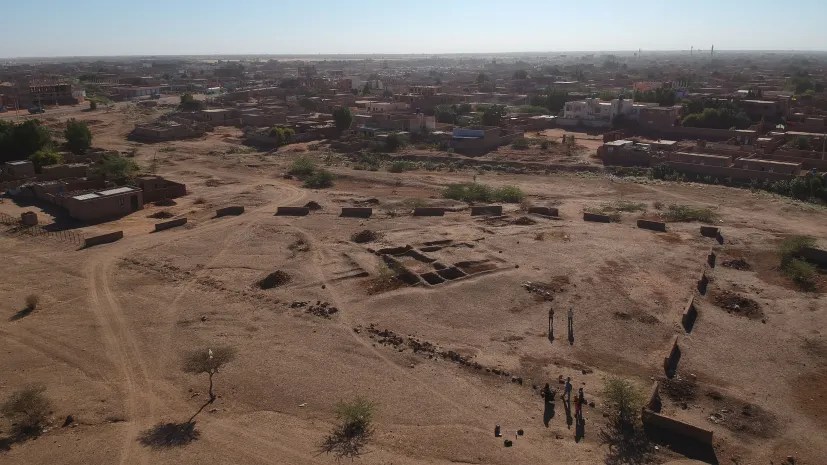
{"x": 691, "y": 49}
{"x": 711, "y": 50}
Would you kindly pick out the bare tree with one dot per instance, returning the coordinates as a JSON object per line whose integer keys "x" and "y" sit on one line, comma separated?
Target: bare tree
{"x": 208, "y": 361}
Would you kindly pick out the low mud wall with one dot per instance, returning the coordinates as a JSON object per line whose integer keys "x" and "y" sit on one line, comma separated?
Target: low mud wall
{"x": 653, "y": 225}
{"x": 103, "y": 239}
{"x": 671, "y": 425}
{"x": 429, "y": 211}
{"x": 690, "y": 314}
{"x": 292, "y": 211}
{"x": 670, "y": 362}
{"x": 710, "y": 231}
{"x": 547, "y": 211}
{"x": 356, "y": 212}
{"x": 234, "y": 210}
{"x": 711, "y": 258}
{"x": 703, "y": 283}
{"x": 495, "y": 210}
{"x": 596, "y": 218}
{"x": 170, "y": 224}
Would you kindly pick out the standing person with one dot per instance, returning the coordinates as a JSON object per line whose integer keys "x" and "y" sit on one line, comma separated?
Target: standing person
{"x": 571, "y": 322}
{"x": 577, "y": 405}
{"x": 548, "y": 394}
{"x": 568, "y": 390}
{"x": 551, "y": 323}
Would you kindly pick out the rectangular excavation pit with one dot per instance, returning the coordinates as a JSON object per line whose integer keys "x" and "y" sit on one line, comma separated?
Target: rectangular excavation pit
{"x": 393, "y": 251}
{"x": 432, "y": 278}
{"x": 418, "y": 256}
{"x": 451, "y": 273}
{"x": 433, "y": 248}
{"x": 439, "y": 266}
{"x": 476, "y": 266}
{"x": 402, "y": 273}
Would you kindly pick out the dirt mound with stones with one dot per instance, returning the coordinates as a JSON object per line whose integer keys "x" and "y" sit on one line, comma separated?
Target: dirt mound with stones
{"x": 524, "y": 221}
{"x": 740, "y": 305}
{"x": 738, "y": 264}
{"x": 312, "y": 206}
{"x": 274, "y": 279}
{"x": 363, "y": 237}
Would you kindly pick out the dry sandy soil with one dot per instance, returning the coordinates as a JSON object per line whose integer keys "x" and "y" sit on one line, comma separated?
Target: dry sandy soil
{"x": 114, "y": 320}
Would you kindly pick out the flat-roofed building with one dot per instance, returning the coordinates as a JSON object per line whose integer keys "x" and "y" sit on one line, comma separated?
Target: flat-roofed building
{"x": 100, "y": 205}
{"x": 771, "y": 166}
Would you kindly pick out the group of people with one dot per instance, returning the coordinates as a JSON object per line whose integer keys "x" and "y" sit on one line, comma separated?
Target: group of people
{"x": 579, "y": 400}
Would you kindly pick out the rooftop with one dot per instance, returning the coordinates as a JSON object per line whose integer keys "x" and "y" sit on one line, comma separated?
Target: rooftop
{"x": 19, "y": 162}
{"x": 106, "y": 193}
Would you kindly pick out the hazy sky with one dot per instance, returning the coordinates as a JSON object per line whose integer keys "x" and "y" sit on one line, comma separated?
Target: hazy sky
{"x": 98, "y": 27}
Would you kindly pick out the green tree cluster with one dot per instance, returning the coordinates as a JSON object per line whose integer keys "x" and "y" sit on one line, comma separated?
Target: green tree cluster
{"x": 112, "y": 166}
{"x": 283, "y": 136}
{"x": 78, "y": 136}
{"x": 45, "y": 157}
{"x": 21, "y": 140}
{"x": 554, "y": 99}
{"x": 492, "y": 115}
{"x": 343, "y": 118}
{"x": 663, "y": 97}
{"x": 189, "y": 103}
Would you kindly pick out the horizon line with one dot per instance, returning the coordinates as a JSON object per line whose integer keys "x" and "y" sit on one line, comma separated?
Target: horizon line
{"x": 437, "y": 54}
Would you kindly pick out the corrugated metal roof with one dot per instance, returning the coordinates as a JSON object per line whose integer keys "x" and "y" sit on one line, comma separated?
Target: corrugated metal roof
{"x": 86, "y": 196}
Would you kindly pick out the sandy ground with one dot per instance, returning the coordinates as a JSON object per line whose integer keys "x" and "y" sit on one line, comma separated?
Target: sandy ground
{"x": 114, "y": 320}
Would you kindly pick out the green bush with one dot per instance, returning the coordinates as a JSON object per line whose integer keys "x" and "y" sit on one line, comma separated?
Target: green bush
{"x": 320, "y": 179}
{"x": 395, "y": 141}
{"x": 474, "y": 192}
{"x": 509, "y": 194}
{"x": 687, "y": 213}
{"x": 78, "y": 136}
{"x": 46, "y": 157}
{"x": 401, "y": 166}
{"x": 792, "y": 246}
{"x": 115, "y": 167}
{"x": 302, "y": 167}
{"x": 520, "y": 143}
{"x": 353, "y": 430}
{"x": 802, "y": 273}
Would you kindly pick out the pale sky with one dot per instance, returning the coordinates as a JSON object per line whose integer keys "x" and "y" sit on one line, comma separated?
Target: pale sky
{"x": 48, "y": 28}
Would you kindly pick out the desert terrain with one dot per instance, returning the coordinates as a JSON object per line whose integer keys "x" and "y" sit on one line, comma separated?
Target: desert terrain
{"x": 113, "y": 321}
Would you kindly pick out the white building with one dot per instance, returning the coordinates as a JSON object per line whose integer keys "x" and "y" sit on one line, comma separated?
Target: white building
{"x": 594, "y": 109}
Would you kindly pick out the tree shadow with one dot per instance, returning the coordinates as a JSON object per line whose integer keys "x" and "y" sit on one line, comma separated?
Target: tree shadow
{"x": 19, "y": 434}
{"x": 21, "y": 314}
{"x": 168, "y": 435}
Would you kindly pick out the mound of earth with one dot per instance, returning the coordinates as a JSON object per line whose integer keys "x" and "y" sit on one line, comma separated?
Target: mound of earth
{"x": 162, "y": 214}
{"x": 365, "y": 236}
{"x": 312, "y": 206}
{"x": 737, "y": 264}
{"x": 734, "y": 303}
{"x": 274, "y": 279}
{"x": 524, "y": 221}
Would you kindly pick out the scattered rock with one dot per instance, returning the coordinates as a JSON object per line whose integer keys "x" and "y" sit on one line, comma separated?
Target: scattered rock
{"x": 734, "y": 303}
{"x": 321, "y": 309}
{"x": 586, "y": 371}
{"x": 203, "y": 318}
{"x": 69, "y": 420}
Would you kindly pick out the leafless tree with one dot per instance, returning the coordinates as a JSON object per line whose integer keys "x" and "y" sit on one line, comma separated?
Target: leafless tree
{"x": 208, "y": 361}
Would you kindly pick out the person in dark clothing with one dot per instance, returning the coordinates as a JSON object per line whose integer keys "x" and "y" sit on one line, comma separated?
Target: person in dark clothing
{"x": 568, "y": 390}
{"x": 551, "y": 323}
{"x": 548, "y": 394}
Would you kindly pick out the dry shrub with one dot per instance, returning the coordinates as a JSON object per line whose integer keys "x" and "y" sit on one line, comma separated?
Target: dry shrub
{"x": 199, "y": 201}
{"x": 524, "y": 221}
{"x": 354, "y": 429}
{"x": 32, "y": 300}
{"x": 28, "y": 410}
